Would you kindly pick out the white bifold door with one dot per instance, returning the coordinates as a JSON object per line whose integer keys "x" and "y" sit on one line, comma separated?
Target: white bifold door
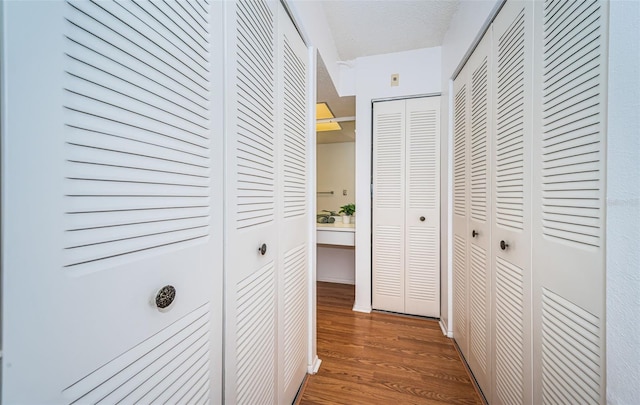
{"x": 266, "y": 247}
{"x": 511, "y": 96}
{"x": 491, "y": 249}
{"x": 528, "y": 240}
{"x": 472, "y": 211}
{"x": 112, "y": 202}
{"x": 406, "y": 206}
{"x": 569, "y": 162}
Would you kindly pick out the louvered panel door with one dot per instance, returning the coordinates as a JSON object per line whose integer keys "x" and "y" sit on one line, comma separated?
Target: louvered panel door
{"x": 293, "y": 210}
{"x": 568, "y": 202}
{"x": 388, "y": 206}
{"x": 479, "y": 199}
{"x": 460, "y": 211}
{"x": 251, "y": 247}
{"x": 511, "y": 172}
{"x": 422, "y": 211}
{"x": 112, "y": 187}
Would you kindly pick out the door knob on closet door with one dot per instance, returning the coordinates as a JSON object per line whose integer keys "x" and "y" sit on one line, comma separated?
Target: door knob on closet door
{"x": 474, "y": 233}
{"x": 422, "y": 219}
{"x": 503, "y": 245}
{"x": 262, "y": 249}
{"x": 165, "y": 296}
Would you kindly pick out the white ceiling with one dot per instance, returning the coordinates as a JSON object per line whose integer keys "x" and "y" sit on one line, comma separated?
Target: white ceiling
{"x": 373, "y": 27}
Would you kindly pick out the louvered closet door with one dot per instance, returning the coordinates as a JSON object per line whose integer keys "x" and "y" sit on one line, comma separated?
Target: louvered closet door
{"x": 479, "y": 225}
{"x": 511, "y": 172}
{"x": 389, "y": 205}
{"x": 422, "y": 213}
{"x": 461, "y": 126}
{"x": 250, "y": 273}
{"x": 568, "y": 202}
{"x": 293, "y": 209}
{"x": 111, "y": 190}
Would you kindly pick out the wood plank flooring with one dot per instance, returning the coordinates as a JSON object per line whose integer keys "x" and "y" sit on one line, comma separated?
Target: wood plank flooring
{"x": 382, "y": 358}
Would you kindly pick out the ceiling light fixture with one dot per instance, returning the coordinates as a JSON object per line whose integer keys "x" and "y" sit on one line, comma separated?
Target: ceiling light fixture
{"x": 328, "y": 126}
{"x": 324, "y": 114}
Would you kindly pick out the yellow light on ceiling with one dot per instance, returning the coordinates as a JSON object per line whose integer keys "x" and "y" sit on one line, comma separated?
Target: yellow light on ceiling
{"x": 323, "y": 112}
{"x": 328, "y": 126}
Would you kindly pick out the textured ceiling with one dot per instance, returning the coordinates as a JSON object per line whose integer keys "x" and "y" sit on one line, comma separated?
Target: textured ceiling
{"x": 373, "y": 27}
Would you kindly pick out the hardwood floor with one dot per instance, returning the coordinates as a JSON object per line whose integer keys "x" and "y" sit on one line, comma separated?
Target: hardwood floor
{"x": 382, "y": 358}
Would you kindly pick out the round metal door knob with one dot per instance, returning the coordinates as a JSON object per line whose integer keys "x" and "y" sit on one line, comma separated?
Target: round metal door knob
{"x": 422, "y": 219}
{"x": 263, "y": 249}
{"x": 503, "y": 245}
{"x": 474, "y": 233}
{"x": 165, "y": 296}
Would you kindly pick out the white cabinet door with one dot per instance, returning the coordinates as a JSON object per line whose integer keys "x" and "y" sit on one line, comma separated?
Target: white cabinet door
{"x": 569, "y": 155}
{"x": 479, "y": 83}
{"x": 251, "y": 232}
{"x": 461, "y": 124}
{"x": 111, "y": 190}
{"x": 511, "y": 188}
{"x": 422, "y": 207}
{"x": 388, "y": 282}
{"x": 293, "y": 280}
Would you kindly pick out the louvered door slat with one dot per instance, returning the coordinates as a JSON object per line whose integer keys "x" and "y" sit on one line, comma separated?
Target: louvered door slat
{"x": 460, "y": 314}
{"x": 134, "y": 46}
{"x": 460, "y": 153}
{"x": 389, "y": 161}
{"x": 255, "y": 88}
{"x": 136, "y": 373}
{"x": 130, "y": 149}
{"x": 479, "y": 138}
{"x": 255, "y": 344}
{"x": 295, "y": 143}
{"x": 295, "y": 310}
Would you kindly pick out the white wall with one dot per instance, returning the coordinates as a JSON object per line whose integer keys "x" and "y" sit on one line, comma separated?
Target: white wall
{"x": 467, "y": 25}
{"x": 336, "y": 264}
{"x": 311, "y": 20}
{"x": 419, "y": 72}
{"x": 336, "y": 171}
{"x": 623, "y": 205}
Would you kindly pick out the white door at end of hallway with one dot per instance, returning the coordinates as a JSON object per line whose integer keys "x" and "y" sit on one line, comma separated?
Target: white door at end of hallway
{"x": 406, "y": 206}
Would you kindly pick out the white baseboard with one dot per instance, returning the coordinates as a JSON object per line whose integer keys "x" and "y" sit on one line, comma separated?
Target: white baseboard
{"x": 366, "y": 310}
{"x": 314, "y": 366}
{"x": 445, "y": 332}
{"x": 335, "y": 280}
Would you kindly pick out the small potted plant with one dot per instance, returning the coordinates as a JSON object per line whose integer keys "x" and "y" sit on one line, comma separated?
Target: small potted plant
{"x": 348, "y": 210}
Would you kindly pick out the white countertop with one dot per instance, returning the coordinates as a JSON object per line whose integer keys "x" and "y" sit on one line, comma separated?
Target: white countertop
{"x": 336, "y": 226}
